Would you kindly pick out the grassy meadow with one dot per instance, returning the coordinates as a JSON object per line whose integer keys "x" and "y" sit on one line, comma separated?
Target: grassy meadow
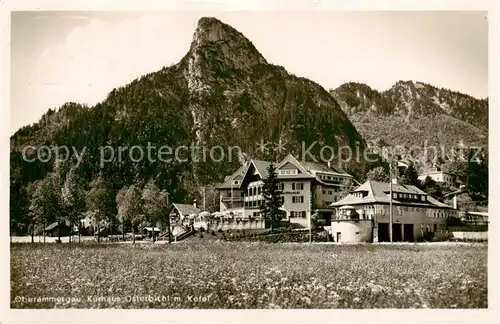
{"x": 216, "y": 274}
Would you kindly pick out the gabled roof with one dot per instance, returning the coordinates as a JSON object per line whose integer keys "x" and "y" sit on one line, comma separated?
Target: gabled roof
{"x": 186, "y": 209}
{"x": 261, "y": 167}
{"x": 303, "y": 172}
{"x": 378, "y": 192}
{"x": 51, "y": 226}
{"x": 228, "y": 180}
{"x": 307, "y": 170}
{"x": 54, "y": 225}
{"x": 315, "y": 168}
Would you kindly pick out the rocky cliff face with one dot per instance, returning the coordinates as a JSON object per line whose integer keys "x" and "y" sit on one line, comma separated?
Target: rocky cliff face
{"x": 222, "y": 93}
{"x": 236, "y": 97}
{"x": 415, "y": 114}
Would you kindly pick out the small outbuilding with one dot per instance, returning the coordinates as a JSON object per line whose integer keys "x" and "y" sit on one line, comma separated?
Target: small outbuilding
{"x": 53, "y": 229}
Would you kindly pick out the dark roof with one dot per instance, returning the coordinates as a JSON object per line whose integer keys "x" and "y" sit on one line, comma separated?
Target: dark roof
{"x": 261, "y": 167}
{"x": 228, "y": 179}
{"x": 54, "y": 225}
{"x": 51, "y": 226}
{"x": 186, "y": 209}
{"x": 378, "y": 192}
{"x": 308, "y": 170}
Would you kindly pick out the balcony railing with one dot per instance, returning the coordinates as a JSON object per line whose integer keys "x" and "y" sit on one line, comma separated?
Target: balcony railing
{"x": 232, "y": 199}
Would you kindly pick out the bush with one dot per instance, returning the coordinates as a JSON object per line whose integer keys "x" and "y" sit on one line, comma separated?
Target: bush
{"x": 427, "y": 237}
{"x": 284, "y": 236}
{"x": 442, "y": 237}
{"x": 219, "y": 230}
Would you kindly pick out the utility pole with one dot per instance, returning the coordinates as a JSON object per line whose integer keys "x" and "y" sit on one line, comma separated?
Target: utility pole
{"x": 204, "y": 209}
{"x": 231, "y": 194}
{"x": 310, "y": 218}
{"x": 390, "y": 199}
{"x": 310, "y": 228}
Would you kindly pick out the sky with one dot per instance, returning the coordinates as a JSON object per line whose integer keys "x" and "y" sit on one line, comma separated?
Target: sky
{"x": 58, "y": 57}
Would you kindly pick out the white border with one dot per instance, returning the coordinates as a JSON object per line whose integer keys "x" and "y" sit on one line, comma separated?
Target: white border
{"x": 293, "y": 316}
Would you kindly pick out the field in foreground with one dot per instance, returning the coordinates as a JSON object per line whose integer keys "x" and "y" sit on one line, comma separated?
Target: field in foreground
{"x": 248, "y": 275}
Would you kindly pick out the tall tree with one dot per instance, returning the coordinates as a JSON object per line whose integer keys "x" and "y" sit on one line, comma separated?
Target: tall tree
{"x": 99, "y": 201}
{"x": 346, "y": 187}
{"x": 410, "y": 175}
{"x": 432, "y": 187}
{"x": 155, "y": 204}
{"x": 477, "y": 175}
{"x": 73, "y": 198}
{"x": 378, "y": 174}
{"x": 122, "y": 218}
{"x": 270, "y": 209}
{"x": 46, "y": 205}
{"x": 130, "y": 206}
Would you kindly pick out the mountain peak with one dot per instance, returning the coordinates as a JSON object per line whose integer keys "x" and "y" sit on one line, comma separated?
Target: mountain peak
{"x": 221, "y": 43}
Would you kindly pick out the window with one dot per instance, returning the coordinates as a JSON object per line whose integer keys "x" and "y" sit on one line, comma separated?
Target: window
{"x": 298, "y": 214}
{"x": 330, "y": 192}
{"x": 423, "y": 197}
{"x": 297, "y": 199}
{"x": 298, "y": 186}
{"x": 259, "y": 190}
{"x": 289, "y": 172}
{"x": 281, "y": 186}
{"x": 324, "y": 192}
{"x": 236, "y": 182}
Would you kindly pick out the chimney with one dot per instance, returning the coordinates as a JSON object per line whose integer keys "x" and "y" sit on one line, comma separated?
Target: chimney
{"x": 455, "y": 202}
{"x": 329, "y": 164}
{"x": 194, "y": 204}
{"x": 394, "y": 180}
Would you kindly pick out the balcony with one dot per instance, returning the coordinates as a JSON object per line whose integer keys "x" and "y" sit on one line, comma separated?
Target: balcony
{"x": 232, "y": 199}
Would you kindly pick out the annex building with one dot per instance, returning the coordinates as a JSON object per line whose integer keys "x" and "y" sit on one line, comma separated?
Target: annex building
{"x": 363, "y": 215}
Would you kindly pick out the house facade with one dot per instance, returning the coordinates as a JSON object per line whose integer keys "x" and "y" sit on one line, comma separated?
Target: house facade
{"x": 439, "y": 176}
{"x": 363, "y": 216}
{"x": 306, "y": 187}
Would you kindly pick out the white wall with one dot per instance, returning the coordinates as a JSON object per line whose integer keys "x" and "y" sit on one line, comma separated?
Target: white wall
{"x": 471, "y": 235}
{"x": 352, "y": 231}
{"x": 290, "y": 206}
